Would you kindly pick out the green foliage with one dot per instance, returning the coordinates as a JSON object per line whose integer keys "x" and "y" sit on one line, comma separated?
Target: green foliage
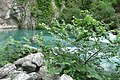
{"x": 12, "y": 51}
{"x": 102, "y": 10}
{"x": 43, "y": 11}
{"x": 83, "y": 62}
{"x": 20, "y": 2}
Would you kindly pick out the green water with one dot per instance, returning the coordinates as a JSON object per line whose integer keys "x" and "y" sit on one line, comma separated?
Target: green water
{"x": 18, "y": 34}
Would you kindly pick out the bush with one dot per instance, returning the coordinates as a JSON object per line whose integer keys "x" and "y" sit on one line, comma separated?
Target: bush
{"x": 12, "y": 51}
{"x": 83, "y": 59}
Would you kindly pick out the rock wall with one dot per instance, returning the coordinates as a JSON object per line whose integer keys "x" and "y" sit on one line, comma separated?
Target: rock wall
{"x": 14, "y": 15}
{"x": 5, "y": 10}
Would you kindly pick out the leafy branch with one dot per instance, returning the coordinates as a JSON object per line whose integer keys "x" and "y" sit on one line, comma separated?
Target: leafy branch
{"x": 92, "y": 56}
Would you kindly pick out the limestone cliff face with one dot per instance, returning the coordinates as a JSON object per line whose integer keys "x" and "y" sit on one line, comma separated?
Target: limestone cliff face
{"x": 19, "y": 15}
{"x": 15, "y": 15}
{"x": 5, "y": 9}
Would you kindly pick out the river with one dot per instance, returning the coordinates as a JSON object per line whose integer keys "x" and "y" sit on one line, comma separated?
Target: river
{"x": 18, "y": 35}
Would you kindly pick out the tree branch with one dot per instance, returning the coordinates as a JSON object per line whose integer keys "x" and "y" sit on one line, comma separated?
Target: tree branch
{"x": 92, "y": 56}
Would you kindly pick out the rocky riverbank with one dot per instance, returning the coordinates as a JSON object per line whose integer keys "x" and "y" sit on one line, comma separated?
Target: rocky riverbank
{"x": 8, "y": 26}
{"x": 31, "y": 67}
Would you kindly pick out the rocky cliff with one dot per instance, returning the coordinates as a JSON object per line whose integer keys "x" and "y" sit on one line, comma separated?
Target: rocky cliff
{"x": 14, "y": 15}
{"x": 5, "y": 11}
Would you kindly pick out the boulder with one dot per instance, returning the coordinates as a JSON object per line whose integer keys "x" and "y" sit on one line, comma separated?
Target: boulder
{"x": 30, "y": 76}
{"x": 43, "y": 72}
{"x": 28, "y": 66}
{"x": 35, "y": 76}
{"x": 65, "y": 77}
{"x": 7, "y": 69}
{"x": 22, "y": 76}
{"x": 13, "y": 74}
{"x": 36, "y": 59}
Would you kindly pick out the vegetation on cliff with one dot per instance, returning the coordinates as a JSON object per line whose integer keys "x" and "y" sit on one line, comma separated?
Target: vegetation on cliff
{"x": 102, "y": 10}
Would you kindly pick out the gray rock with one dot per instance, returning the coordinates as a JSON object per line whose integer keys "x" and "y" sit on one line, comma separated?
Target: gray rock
{"x": 20, "y": 69}
{"x": 35, "y": 76}
{"x": 22, "y": 76}
{"x": 8, "y": 68}
{"x": 28, "y": 66}
{"x": 65, "y": 77}
{"x": 13, "y": 74}
{"x": 36, "y": 58}
{"x": 5, "y": 11}
{"x": 31, "y": 68}
{"x": 6, "y": 79}
{"x": 1, "y": 21}
{"x": 43, "y": 72}
{"x": 30, "y": 76}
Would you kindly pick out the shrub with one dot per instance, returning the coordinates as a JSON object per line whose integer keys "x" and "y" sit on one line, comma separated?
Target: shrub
{"x": 83, "y": 60}
{"x": 12, "y": 51}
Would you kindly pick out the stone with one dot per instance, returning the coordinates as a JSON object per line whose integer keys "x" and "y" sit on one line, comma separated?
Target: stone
{"x": 8, "y": 68}
{"x": 1, "y": 21}
{"x": 6, "y": 79}
{"x": 65, "y": 77}
{"x": 5, "y": 7}
{"x": 35, "y": 76}
{"x": 22, "y": 76}
{"x": 20, "y": 69}
{"x": 13, "y": 74}
{"x": 28, "y": 66}
{"x": 36, "y": 58}
{"x": 43, "y": 72}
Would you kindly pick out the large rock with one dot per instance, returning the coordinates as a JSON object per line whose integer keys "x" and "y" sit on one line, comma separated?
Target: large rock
{"x": 35, "y": 76}
{"x": 36, "y": 59}
{"x": 22, "y": 76}
{"x": 65, "y": 77}
{"x": 13, "y": 74}
{"x": 43, "y": 72}
{"x": 28, "y": 66}
{"x": 30, "y": 76}
{"x": 7, "y": 69}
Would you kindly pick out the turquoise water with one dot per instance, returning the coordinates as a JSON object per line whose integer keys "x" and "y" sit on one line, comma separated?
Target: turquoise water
{"x": 18, "y": 34}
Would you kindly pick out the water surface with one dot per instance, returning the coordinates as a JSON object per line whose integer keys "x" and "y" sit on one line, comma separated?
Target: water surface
{"x": 18, "y": 35}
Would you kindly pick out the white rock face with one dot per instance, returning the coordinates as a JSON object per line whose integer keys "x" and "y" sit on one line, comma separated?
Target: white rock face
{"x": 65, "y": 77}
{"x": 5, "y": 11}
{"x": 22, "y": 76}
{"x": 6, "y": 79}
{"x": 7, "y": 69}
{"x": 33, "y": 58}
